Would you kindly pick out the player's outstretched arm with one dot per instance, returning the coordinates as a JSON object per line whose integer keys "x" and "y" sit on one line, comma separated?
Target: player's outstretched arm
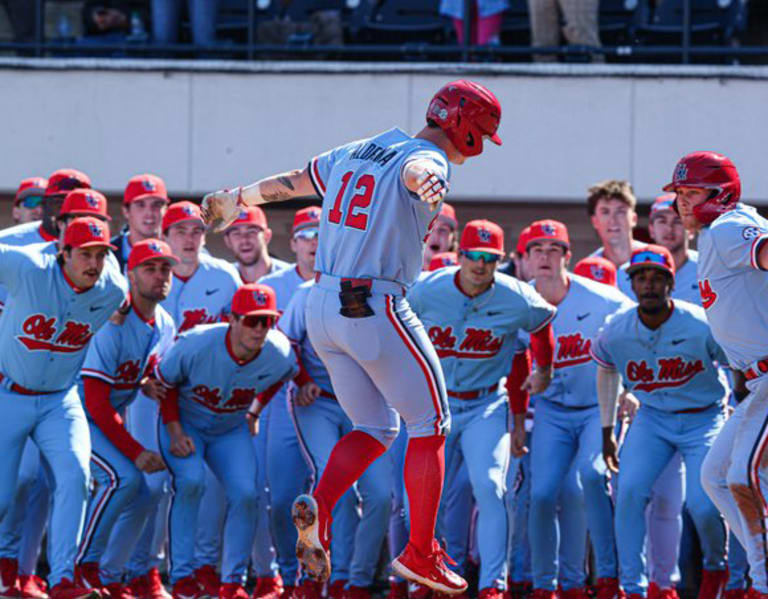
{"x": 221, "y": 207}
{"x": 427, "y": 180}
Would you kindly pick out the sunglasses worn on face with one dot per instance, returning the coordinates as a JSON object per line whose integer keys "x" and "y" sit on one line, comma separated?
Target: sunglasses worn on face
{"x": 653, "y": 257}
{"x": 31, "y": 201}
{"x": 306, "y": 234}
{"x": 486, "y": 257}
{"x": 254, "y": 321}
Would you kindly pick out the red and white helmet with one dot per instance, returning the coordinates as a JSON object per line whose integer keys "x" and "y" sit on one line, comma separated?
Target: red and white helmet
{"x": 467, "y": 112}
{"x": 708, "y": 170}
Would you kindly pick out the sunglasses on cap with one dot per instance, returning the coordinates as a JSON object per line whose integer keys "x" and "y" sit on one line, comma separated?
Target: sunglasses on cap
{"x": 309, "y": 233}
{"x": 255, "y": 320}
{"x": 31, "y": 201}
{"x": 475, "y": 256}
{"x": 648, "y": 256}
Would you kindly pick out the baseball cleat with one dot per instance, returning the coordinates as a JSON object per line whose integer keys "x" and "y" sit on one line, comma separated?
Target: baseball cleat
{"x": 543, "y": 594}
{"x": 268, "y": 587}
{"x": 9, "y": 569}
{"x": 713, "y": 584}
{"x": 311, "y": 549}
{"x": 188, "y": 588}
{"x": 208, "y": 580}
{"x": 232, "y": 590}
{"x": 87, "y": 576}
{"x": 66, "y": 589}
{"x": 32, "y": 587}
{"x": 608, "y": 588}
{"x": 429, "y": 570}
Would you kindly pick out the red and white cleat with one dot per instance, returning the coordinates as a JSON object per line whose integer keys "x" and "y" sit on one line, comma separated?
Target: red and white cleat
{"x": 232, "y": 590}
{"x": 32, "y": 587}
{"x": 313, "y": 525}
{"x": 429, "y": 570}
{"x": 9, "y": 581}
{"x": 66, "y": 589}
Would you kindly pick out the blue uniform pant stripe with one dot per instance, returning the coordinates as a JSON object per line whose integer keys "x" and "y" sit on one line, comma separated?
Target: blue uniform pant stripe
{"x": 168, "y": 527}
{"x": 93, "y": 524}
{"x": 315, "y": 471}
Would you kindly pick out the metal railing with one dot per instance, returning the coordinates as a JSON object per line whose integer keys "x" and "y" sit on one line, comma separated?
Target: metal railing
{"x": 251, "y": 50}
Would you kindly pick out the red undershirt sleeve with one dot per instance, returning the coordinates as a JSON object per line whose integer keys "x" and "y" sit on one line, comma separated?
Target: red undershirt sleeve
{"x": 521, "y": 368}
{"x": 107, "y": 419}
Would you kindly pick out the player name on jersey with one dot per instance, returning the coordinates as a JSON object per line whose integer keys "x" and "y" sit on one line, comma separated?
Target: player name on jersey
{"x": 374, "y": 153}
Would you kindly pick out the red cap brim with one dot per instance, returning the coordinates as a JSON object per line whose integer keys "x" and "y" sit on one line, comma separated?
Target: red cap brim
{"x": 91, "y": 244}
{"x": 261, "y": 312}
{"x": 484, "y": 249}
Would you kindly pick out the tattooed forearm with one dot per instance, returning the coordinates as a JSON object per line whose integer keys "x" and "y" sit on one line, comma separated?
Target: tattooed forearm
{"x": 285, "y": 181}
{"x": 275, "y": 196}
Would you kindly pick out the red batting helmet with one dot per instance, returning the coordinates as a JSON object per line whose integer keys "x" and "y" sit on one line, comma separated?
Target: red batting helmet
{"x": 467, "y": 112}
{"x": 708, "y": 170}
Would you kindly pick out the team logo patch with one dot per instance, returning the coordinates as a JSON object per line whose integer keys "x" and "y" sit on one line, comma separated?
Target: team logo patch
{"x": 598, "y": 272}
{"x": 439, "y": 111}
{"x": 314, "y": 214}
{"x": 261, "y": 298}
{"x": 549, "y": 229}
{"x": 91, "y": 201}
{"x": 243, "y": 215}
{"x": 484, "y": 235}
{"x": 94, "y": 229}
{"x": 750, "y": 233}
{"x": 148, "y": 185}
{"x": 681, "y": 172}
{"x": 155, "y": 248}
{"x": 188, "y": 210}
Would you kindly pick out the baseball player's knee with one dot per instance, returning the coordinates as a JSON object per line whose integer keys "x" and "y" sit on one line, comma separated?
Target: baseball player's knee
{"x": 157, "y": 485}
{"x": 189, "y": 486}
{"x": 242, "y": 494}
{"x": 6, "y": 500}
{"x": 543, "y": 497}
{"x": 131, "y": 482}
{"x": 74, "y": 478}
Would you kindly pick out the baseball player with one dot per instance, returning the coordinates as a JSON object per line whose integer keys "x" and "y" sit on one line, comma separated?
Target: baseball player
{"x": 598, "y": 269}
{"x": 320, "y": 423}
{"x": 118, "y": 359}
{"x": 27, "y": 203}
{"x": 611, "y": 208}
{"x": 281, "y": 448}
{"x": 145, "y": 201}
{"x": 732, "y": 256}
{"x": 567, "y": 418}
{"x": 663, "y": 352}
{"x": 442, "y": 260}
{"x": 248, "y": 239}
{"x": 201, "y": 293}
{"x": 442, "y": 236}
{"x": 57, "y": 304}
{"x": 214, "y": 373}
{"x": 472, "y": 315}
{"x": 377, "y": 353}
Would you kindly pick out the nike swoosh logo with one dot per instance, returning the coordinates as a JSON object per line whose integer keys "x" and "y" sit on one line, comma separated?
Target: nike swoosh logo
{"x": 210, "y": 291}
{"x": 494, "y": 313}
{"x": 582, "y": 316}
{"x": 93, "y": 309}
{"x": 262, "y": 376}
{"x": 677, "y": 341}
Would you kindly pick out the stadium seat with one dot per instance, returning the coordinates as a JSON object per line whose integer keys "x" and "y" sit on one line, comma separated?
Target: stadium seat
{"x": 402, "y": 21}
{"x": 516, "y": 26}
{"x": 619, "y": 20}
{"x": 712, "y": 22}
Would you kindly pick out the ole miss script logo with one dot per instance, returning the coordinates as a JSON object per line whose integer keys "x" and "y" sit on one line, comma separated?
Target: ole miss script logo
{"x": 192, "y": 318}
{"x": 477, "y": 343}
{"x": 572, "y": 350}
{"x": 41, "y": 334}
{"x": 239, "y": 399}
{"x": 669, "y": 372}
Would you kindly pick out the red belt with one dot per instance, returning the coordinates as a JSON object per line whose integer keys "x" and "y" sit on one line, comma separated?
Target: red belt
{"x": 695, "y": 410}
{"x": 474, "y": 394}
{"x": 759, "y": 368}
{"x": 23, "y": 390}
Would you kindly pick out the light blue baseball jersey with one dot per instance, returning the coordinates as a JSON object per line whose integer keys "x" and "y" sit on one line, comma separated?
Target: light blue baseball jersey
{"x": 686, "y": 281}
{"x": 204, "y": 297}
{"x": 670, "y": 368}
{"x": 19, "y": 235}
{"x": 215, "y": 389}
{"x": 293, "y": 323}
{"x": 121, "y": 355}
{"x": 277, "y": 266}
{"x": 285, "y": 283}
{"x": 372, "y": 226}
{"x": 46, "y": 327}
{"x": 732, "y": 285}
{"x": 579, "y": 316}
{"x": 476, "y": 337}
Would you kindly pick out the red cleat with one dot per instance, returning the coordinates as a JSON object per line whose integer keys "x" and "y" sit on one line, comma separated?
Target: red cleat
{"x": 397, "y": 590}
{"x": 289, "y": 592}
{"x": 87, "y": 576}
{"x": 429, "y": 570}
{"x": 66, "y": 589}
{"x": 309, "y": 589}
{"x": 232, "y": 590}
{"x": 577, "y": 593}
{"x": 736, "y": 594}
{"x": 32, "y": 587}
{"x": 187, "y": 588}
{"x": 313, "y": 525}
{"x": 490, "y": 593}
{"x": 117, "y": 590}
{"x": 670, "y": 593}
{"x": 9, "y": 577}
{"x": 712, "y": 584}
{"x": 208, "y": 580}
{"x": 268, "y": 587}
{"x": 543, "y": 594}
{"x": 653, "y": 591}
{"x": 336, "y": 588}
{"x": 608, "y": 588}
{"x": 354, "y": 592}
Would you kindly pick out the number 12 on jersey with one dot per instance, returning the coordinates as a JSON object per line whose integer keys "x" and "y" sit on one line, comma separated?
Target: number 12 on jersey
{"x": 357, "y": 216}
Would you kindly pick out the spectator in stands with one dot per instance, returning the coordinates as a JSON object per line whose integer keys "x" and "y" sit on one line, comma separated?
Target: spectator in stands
{"x": 112, "y": 21}
{"x": 166, "y": 20}
{"x": 580, "y": 28}
{"x": 485, "y": 19}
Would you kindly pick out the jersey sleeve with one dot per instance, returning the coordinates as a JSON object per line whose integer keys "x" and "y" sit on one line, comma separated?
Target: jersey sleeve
{"x": 173, "y": 368}
{"x": 441, "y": 166}
{"x": 738, "y": 243}
{"x": 320, "y": 169}
{"x": 15, "y": 263}
{"x": 293, "y": 322}
{"x": 600, "y": 348}
{"x": 102, "y": 357}
{"x": 715, "y": 351}
{"x": 540, "y": 312}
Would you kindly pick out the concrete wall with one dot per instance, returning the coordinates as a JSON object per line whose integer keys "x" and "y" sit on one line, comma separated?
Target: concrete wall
{"x": 204, "y": 128}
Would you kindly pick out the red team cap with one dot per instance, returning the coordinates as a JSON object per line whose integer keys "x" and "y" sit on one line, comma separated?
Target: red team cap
{"x": 32, "y": 186}
{"x": 255, "y": 300}
{"x": 651, "y": 256}
{"x": 482, "y": 236}
{"x": 144, "y": 186}
{"x": 65, "y": 180}
{"x": 598, "y": 269}
{"x": 442, "y": 260}
{"x": 85, "y": 202}
{"x": 307, "y": 217}
{"x": 448, "y": 215}
{"x": 522, "y": 241}
{"x": 662, "y": 203}
{"x": 548, "y": 230}
{"x": 180, "y": 212}
{"x": 150, "y": 249}
{"x": 253, "y": 215}
{"x": 87, "y": 231}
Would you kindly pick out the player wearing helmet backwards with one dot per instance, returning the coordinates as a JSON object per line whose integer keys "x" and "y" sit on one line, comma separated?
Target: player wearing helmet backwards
{"x": 380, "y": 198}
{"x": 733, "y": 256}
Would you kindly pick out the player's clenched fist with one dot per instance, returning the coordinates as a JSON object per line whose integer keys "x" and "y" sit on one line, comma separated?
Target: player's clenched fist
{"x": 425, "y": 180}
{"x": 149, "y": 462}
{"x": 182, "y": 444}
{"x": 610, "y": 450}
{"x": 538, "y": 380}
{"x": 221, "y": 208}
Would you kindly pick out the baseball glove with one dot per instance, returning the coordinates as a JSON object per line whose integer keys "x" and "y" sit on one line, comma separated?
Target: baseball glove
{"x": 221, "y": 208}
